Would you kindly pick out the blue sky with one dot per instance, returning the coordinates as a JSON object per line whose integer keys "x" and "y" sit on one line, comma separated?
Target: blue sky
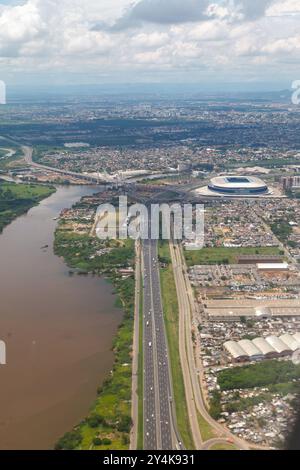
{"x": 160, "y": 41}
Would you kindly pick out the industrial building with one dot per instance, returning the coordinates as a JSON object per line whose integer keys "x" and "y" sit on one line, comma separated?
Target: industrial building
{"x": 235, "y": 351}
{"x": 267, "y": 350}
{"x": 290, "y": 341}
{"x": 233, "y": 310}
{"x": 256, "y": 259}
{"x": 290, "y": 182}
{"x": 254, "y": 354}
{"x": 258, "y": 349}
{"x": 280, "y": 347}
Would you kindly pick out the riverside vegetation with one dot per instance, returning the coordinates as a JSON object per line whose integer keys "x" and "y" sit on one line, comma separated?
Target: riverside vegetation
{"x": 17, "y": 199}
{"x": 108, "y": 423}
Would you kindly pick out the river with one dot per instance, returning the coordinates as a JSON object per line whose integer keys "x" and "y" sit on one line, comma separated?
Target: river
{"x": 58, "y": 331}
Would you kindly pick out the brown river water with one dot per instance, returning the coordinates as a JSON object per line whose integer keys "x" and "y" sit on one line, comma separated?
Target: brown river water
{"x": 58, "y": 331}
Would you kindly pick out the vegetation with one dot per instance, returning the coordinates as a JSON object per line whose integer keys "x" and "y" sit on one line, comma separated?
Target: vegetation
{"x": 78, "y": 251}
{"x": 17, "y": 199}
{"x": 223, "y": 447}
{"x": 215, "y": 408}
{"x": 69, "y": 441}
{"x": 282, "y": 229}
{"x": 244, "y": 404}
{"x": 109, "y": 422}
{"x": 259, "y": 375}
{"x": 10, "y": 155}
{"x": 207, "y": 432}
{"x": 225, "y": 255}
{"x": 171, "y": 315}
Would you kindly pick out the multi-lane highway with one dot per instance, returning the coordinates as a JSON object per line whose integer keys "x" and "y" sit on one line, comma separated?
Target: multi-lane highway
{"x": 159, "y": 419}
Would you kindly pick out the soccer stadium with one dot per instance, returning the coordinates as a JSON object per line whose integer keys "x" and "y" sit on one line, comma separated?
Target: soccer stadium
{"x": 236, "y": 186}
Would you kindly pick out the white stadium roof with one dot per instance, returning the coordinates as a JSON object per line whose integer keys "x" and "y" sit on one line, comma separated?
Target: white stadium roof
{"x": 238, "y": 182}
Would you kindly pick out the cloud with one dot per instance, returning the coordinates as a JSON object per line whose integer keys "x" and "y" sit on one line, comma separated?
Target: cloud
{"x": 20, "y": 23}
{"x": 163, "y": 12}
{"x": 179, "y": 38}
{"x": 253, "y": 9}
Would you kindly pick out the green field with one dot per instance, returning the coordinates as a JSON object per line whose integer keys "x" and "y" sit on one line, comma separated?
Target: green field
{"x": 223, "y": 447}
{"x": 17, "y": 199}
{"x": 225, "y": 255}
{"x": 206, "y": 430}
{"x": 171, "y": 315}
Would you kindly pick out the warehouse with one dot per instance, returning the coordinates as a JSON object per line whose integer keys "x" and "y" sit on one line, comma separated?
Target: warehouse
{"x": 280, "y": 347}
{"x": 258, "y": 349}
{"x": 235, "y": 351}
{"x": 273, "y": 267}
{"x": 296, "y": 336}
{"x": 232, "y": 310}
{"x": 254, "y": 354}
{"x": 267, "y": 350}
{"x": 290, "y": 341}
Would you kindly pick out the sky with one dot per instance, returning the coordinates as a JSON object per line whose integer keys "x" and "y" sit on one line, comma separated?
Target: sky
{"x": 150, "y": 41}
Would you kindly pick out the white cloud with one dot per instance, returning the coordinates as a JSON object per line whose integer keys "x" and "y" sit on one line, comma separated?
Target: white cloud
{"x": 226, "y": 37}
{"x": 150, "y": 40}
{"x": 21, "y": 23}
{"x": 284, "y": 7}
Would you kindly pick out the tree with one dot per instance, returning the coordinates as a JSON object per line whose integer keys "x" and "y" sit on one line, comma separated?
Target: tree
{"x": 97, "y": 441}
{"x": 69, "y": 441}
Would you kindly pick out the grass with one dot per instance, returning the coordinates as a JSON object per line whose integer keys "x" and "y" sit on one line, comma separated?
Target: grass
{"x": 140, "y": 435}
{"x": 171, "y": 315}
{"x": 17, "y": 199}
{"x": 206, "y": 430}
{"x": 223, "y": 447}
{"x": 225, "y": 255}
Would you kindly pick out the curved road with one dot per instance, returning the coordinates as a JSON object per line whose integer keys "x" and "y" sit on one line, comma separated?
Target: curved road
{"x": 184, "y": 291}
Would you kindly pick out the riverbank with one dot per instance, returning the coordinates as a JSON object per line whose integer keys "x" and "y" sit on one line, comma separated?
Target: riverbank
{"x": 58, "y": 329}
{"x": 17, "y": 199}
{"x": 109, "y": 422}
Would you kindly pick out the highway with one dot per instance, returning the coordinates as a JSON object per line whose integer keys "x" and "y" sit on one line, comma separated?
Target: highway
{"x": 159, "y": 419}
{"x": 28, "y": 152}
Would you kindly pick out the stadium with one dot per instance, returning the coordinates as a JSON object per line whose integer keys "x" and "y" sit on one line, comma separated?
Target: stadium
{"x": 236, "y": 186}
